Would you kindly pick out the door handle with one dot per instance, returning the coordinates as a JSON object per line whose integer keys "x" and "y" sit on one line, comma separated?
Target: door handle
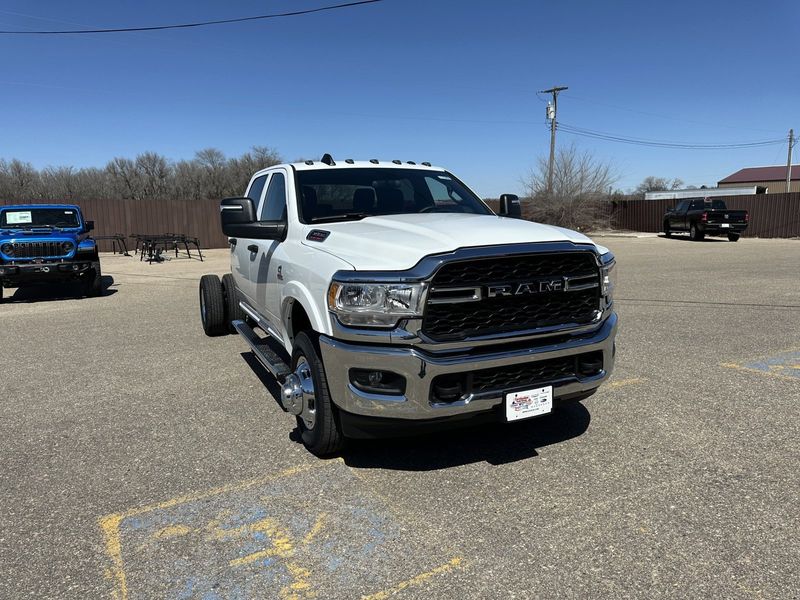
{"x": 232, "y": 241}
{"x": 252, "y": 248}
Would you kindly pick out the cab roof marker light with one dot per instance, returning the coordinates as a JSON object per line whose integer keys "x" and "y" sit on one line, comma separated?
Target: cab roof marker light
{"x": 426, "y": 163}
{"x": 309, "y": 162}
{"x": 397, "y": 162}
{"x": 374, "y": 161}
{"x": 410, "y": 162}
{"x": 349, "y": 161}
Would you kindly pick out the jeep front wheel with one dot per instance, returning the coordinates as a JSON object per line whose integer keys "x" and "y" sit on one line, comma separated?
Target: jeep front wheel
{"x": 318, "y": 419}
{"x": 94, "y": 284}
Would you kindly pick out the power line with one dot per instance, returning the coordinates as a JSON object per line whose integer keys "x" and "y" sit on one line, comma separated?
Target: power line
{"x": 662, "y": 116}
{"x": 611, "y": 137}
{"x": 191, "y": 25}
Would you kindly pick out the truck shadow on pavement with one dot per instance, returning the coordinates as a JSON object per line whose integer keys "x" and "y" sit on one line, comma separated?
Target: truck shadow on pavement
{"x": 496, "y": 443}
{"x": 684, "y": 237}
{"x": 49, "y": 293}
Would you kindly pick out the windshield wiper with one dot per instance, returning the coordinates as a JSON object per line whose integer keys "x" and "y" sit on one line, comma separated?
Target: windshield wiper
{"x": 353, "y": 216}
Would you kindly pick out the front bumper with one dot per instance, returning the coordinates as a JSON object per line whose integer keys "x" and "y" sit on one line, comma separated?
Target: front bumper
{"x": 15, "y": 274}
{"x": 420, "y": 368}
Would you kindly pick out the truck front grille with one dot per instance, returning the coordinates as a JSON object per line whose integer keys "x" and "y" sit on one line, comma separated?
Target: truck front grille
{"x": 535, "y": 291}
{"x": 500, "y": 380}
{"x": 38, "y": 250}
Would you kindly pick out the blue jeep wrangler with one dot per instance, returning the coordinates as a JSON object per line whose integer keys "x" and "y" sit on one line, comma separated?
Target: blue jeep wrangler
{"x": 47, "y": 243}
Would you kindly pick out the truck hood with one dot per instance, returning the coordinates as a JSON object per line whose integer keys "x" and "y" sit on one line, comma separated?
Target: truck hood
{"x": 398, "y": 242}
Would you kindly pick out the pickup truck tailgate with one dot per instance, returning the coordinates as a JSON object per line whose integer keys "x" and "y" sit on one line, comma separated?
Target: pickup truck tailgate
{"x": 726, "y": 216}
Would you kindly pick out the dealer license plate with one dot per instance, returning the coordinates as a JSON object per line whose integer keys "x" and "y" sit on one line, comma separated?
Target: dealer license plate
{"x": 529, "y": 403}
{"x": 725, "y": 225}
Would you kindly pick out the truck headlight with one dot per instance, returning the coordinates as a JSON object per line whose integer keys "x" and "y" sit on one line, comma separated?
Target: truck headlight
{"x": 609, "y": 274}
{"x": 375, "y": 304}
{"x": 7, "y": 249}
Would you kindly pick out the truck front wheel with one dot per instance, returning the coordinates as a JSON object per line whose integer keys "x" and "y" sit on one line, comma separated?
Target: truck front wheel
{"x": 318, "y": 420}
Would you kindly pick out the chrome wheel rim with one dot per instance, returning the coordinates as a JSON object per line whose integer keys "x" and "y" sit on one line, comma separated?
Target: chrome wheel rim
{"x": 309, "y": 411}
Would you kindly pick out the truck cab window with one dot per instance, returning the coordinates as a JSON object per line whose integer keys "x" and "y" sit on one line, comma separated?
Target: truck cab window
{"x": 254, "y": 193}
{"x": 274, "y": 207}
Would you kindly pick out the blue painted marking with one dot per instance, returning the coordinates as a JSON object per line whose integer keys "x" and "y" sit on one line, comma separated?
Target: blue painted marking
{"x": 786, "y": 364}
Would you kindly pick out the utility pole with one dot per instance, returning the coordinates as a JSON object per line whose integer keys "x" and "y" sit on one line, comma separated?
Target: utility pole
{"x": 554, "y": 91}
{"x": 789, "y": 162}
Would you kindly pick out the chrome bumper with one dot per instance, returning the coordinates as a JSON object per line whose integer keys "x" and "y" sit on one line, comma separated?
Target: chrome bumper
{"x": 420, "y": 367}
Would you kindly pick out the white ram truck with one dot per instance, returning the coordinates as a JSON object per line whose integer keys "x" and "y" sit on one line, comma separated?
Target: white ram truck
{"x": 387, "y": 297}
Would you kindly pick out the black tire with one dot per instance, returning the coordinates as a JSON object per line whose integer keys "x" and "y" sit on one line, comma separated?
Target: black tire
{"x": 325, "y": 438}
{"x": 233, "y": 311}
{"x": 667, "y": 232}
{"x": 695, "y": 233}
{"x": 94, "y": 284}
{"x": 212, "y": 306}
{"x": 733, "y": 237}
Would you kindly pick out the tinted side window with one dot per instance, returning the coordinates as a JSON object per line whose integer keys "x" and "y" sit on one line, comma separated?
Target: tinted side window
{"x": 254, "y": 193}
{"x": 698, "y": 205}
{"x": 274, "y": 208}
{"x": 681, "y": 206}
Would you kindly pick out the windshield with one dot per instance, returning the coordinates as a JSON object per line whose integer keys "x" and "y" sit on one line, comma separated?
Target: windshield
{"x": 346, "y": 194}
{"x": 39, "y": 217}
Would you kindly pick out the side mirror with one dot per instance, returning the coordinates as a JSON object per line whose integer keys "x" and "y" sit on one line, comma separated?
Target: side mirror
{"x": 238, "y": 217}
{"x": 89, "y": 225}
{"x": 510, "y": 206}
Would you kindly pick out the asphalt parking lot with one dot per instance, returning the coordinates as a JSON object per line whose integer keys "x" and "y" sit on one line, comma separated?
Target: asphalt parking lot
{"x": 140, "y": 459}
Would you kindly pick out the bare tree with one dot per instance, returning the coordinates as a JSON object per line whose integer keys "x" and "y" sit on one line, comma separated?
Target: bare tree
{"x": 149, "y": 176}
{"x": 581, "y": 188}
{"x": 658, "y": 184}
{"x": 154, "y": 173}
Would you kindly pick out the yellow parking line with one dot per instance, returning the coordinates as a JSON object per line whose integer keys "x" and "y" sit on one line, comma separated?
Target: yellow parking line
{"x": 454, "y": 563}
{"x": 110, "y": 524}
{"x": 623, "y": 382}
{"x": 758, "y": 371}
{"x": 116, "y": 572}
{"x": 318, "y": 525}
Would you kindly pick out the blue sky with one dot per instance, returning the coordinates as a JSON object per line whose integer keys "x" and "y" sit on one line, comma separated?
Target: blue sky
{"x": 451, "y": 82}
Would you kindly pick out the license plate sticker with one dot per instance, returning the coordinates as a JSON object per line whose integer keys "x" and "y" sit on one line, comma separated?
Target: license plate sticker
{"x": 725, "y": 225}
{"x": 529, "y": 403}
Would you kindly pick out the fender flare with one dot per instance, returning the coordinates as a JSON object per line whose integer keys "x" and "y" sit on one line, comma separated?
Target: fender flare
{"x": 296, "y": 292}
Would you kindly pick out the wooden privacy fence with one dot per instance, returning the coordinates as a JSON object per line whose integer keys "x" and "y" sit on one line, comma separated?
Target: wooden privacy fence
{"x": 194, "y": 218}
{"x": 771, "y": 215}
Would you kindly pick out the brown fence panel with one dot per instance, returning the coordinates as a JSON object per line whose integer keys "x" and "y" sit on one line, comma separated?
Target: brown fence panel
{"x": 194, "y": 218}
{"x": 771, "y": 215}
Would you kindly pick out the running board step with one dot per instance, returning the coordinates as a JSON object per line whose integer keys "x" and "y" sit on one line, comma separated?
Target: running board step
{"x": 265, "y": 355}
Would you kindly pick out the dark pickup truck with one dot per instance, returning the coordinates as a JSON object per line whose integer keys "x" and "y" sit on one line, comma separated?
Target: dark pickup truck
{"x": 705, "y": 216}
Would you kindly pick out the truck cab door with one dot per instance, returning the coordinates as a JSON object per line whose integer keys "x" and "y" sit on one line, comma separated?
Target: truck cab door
{"x": 266, "y": 266}
{"x": 678, "y": 217}
{"x": 241, "y": 249}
